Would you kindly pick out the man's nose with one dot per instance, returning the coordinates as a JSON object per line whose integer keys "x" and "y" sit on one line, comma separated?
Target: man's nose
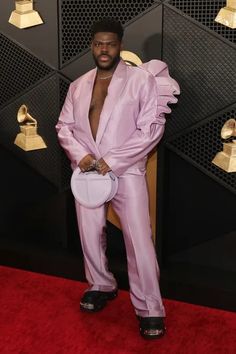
{"x": 104, "y": 47}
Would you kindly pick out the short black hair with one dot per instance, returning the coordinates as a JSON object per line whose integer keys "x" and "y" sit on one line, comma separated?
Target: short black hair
{"x": 107, "y": 25}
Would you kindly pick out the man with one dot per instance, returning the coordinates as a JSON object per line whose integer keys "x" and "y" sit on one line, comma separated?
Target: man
{"x": 112, "y": 118}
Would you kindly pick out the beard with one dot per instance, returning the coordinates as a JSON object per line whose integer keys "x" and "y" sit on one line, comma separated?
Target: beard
{"x": 107, "y": 66}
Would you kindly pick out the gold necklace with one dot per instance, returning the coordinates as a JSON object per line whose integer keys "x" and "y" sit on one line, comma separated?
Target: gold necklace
{"x": 105, "y": 77}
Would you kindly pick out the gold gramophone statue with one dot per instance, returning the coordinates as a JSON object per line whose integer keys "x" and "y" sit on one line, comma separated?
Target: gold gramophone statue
{"x": 24, "y": 15}
{"x": 28, "y": 139}
{"x": 226, "y": 159}
{"x": 227, "y": 15}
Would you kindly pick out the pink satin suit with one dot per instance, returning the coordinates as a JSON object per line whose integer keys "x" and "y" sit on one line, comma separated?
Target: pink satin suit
{"x": 131, "y": 124}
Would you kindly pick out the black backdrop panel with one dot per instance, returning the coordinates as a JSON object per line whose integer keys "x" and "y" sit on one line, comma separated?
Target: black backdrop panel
{"x": 32, "y": 212}
{"x": 204, "y": 66}
{"x": 63, "y": 86}
{"x": 148, "y": 30}
{"x": 43, "y": 103}
{"x": 77, "y": 17}
{"x": 198, "y": 208}
{"x": 19, "y": 70}
{"x": 201, "y": 142}
{"x": 205, "y": 11}
{"x": 78, "y": 66}
{"x": 65, "y": 169}
{"x": 41, "y": 40}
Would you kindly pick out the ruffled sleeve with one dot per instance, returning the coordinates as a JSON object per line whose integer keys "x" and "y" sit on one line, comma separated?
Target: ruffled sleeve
{"x": 167, "y": 87}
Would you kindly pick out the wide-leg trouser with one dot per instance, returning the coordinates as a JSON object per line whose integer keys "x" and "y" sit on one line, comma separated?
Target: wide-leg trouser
{"x": 132, "y": 206}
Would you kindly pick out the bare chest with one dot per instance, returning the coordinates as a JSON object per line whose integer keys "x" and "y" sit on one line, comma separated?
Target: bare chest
{"x": 97, "y": 101}
{"x": 98, "y": 96}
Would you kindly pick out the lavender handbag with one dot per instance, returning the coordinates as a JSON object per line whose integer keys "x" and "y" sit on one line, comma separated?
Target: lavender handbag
{"x": 91, "y": 189}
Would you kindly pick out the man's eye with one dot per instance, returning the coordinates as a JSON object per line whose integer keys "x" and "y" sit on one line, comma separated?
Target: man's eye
{"x": 111, "y": 45}
{"x": 98, "y": 44}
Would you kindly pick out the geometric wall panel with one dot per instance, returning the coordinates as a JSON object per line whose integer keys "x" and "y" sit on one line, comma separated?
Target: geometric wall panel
{"x": 19, "y": 70}
{"x": 77, "y": 17}
{"x": 64, "y": 87}
{"x": 43, "y": 104}
{"x": 204, "y": 66}
{"x": 79, "y": 66}
{"x": 205, "y": 12}
{"x": 33, "y": 39}
{"x": 148, "y": 30}
{"x": 199, "y": 145}
{"x": 65, "y": 168}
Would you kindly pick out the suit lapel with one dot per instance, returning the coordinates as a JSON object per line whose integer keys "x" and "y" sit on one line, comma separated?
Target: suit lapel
{"x": 115, "y": 89}
{"x": 86, "y": 91}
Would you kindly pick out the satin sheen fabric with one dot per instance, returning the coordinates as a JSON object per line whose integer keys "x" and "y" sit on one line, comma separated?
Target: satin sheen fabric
{"x": 131, "y": 123}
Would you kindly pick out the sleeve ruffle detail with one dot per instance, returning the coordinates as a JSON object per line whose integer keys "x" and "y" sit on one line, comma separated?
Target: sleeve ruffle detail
{"x": 167, "y": 87}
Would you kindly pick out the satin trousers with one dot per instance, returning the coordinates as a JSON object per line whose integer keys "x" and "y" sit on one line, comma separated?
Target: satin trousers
{"x": 132, "y": 206}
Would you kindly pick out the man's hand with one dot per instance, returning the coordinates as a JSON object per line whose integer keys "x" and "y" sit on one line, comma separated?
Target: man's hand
{"x": 86, "y": 162}
{"x": 103, "y": 168}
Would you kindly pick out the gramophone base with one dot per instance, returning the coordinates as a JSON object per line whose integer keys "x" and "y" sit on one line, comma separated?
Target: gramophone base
{"x": 227, "y": 17}
{"x": 29, "y": 143}
{"x": 25, "y": 20}
{"x": 224, "y": 161}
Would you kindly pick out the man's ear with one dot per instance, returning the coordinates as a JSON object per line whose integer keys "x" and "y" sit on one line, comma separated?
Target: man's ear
{"x": 91, "y": 43}
{"x": 121, "y": 46}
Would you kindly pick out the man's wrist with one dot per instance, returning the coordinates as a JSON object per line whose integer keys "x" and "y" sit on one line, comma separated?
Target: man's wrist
{"x": 94, "y": 165}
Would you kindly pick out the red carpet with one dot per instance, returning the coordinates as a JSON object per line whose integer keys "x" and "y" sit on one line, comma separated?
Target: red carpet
{"x": 40, "y": 314}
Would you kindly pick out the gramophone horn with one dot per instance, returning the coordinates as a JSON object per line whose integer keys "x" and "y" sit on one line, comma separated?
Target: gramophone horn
{"x": 130, "y": 58}
{"x": 23, "y": 115}
{"x": 229, "y": 129}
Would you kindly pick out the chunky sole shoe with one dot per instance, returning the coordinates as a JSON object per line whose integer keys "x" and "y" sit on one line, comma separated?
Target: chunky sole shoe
{"x": 151, "y": 327}
{"x": 96, "y": 300}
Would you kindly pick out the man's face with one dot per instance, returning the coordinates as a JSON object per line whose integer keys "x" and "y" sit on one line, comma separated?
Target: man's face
{"x": 106, "y": 48}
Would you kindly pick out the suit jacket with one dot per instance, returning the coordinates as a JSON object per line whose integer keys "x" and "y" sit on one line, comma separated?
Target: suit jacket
{"x": 132, "y": 119}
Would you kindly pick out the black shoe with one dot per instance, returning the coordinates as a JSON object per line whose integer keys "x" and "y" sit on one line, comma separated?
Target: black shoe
{"x": 151, "y": 327}
{"x": 96, "y": 300}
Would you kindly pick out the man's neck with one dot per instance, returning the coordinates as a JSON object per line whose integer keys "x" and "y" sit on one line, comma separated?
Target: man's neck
{"x": 104, "y": 73}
